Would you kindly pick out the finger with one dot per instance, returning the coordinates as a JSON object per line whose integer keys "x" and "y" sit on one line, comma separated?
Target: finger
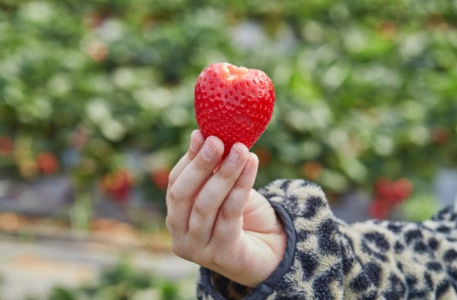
{"x": 190, "y": 181}
{"x": 217, "y": 167}
{"x": 229, "y": 220}
{"x": 196, "y": 143}
{"x": 209, "y": 200}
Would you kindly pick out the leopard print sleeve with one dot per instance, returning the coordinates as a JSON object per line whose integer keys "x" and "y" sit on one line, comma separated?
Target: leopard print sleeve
{"x": 311, "y": 261}
{"x": 326, "y": 258}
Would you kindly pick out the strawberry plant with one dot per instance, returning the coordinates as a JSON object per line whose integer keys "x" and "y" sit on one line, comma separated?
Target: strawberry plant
{"x": 364, "y": 89}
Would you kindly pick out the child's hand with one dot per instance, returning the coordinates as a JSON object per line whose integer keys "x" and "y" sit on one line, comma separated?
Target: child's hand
{"x": 216, "y": 219}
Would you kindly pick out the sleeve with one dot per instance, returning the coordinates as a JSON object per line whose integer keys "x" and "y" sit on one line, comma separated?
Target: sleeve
{"x": 326, "y": 258}
{"x": 312, "y": 266}
{"x": 447, "y": 214}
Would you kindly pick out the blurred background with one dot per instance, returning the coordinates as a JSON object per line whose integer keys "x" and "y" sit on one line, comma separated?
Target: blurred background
{"x": 96, "y": 106}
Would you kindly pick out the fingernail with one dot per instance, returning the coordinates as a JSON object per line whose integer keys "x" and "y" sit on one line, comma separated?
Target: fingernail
{"x": 209, "y": 151}
{"x": 234, "y": 154}
{"x": 248, "y": 164}
{"x": 251, "y": 161}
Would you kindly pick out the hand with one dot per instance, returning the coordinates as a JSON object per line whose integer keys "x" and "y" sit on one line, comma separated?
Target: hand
{"x": 216, "y": 219}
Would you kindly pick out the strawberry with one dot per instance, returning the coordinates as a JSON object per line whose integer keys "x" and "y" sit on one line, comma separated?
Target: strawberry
{"x": 6, "y": 146}
{"x": 234, "y": 104}
{"x": 383, "y": 188}
{"x": 402, "y": 189}
{"x": 118, "y": 185}
{"x": 378, "y": 210}
{"x": 47, "y": 163}
{"x": 160, "y": 178}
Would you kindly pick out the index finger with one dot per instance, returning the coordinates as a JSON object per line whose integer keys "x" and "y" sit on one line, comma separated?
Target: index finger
{"x": 196, "y": 143}
{"x": 181, "y": 194}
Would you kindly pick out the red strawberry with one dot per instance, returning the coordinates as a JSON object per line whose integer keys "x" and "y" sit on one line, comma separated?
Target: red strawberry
{"x": 47, "y": 163}
{"x": 118, "y": 184}
{"x": 383, "y": 188}
{"x": 6, "y": 146}
{"x": 234, "y": 104}
{"x": 402, "y": 189}
{"x": 378, "y": 210}
{"x": 160, "y": 178}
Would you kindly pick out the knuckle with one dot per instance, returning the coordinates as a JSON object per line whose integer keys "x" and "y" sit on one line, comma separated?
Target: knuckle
{"x": 223, "y": 174}
{"x": 194, "y": 226}
{"x": 200, "y": 166}
{"x": 240, "y": 184}
{"x": 226, "y": 213}
{"x": 173, "y": 194}
{"x": 191, "y": 154}
{"x": 201, "y": 210}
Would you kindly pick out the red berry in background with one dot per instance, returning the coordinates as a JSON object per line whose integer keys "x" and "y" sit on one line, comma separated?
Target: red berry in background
{"x": 402, "y": 189}
{"x": 118, "y": 185}
{"x": 47, "y": 163}
{"x": 383, "y": 188}
{"x": 312, "y": 170}
{"x": 234, "y": 104}
{"x": 6, "y": 146}
{"x": 388, "y": 195}
{"x": 160, "y": 178}
{"x": 379, "y": 210}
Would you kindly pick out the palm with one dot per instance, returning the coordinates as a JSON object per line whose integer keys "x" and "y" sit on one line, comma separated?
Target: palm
{"x": 261, "y": 242}
{"x": 259, "y": 217}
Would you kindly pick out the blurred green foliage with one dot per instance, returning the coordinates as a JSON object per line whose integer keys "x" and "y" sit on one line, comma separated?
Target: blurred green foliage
{"x": 364, "y": 89}
{"x": 121, "y": 282}
{"x": 419, "y": 208}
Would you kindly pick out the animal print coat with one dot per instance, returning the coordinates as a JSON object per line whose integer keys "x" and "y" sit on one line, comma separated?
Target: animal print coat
{"x": 327, "y": 259}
